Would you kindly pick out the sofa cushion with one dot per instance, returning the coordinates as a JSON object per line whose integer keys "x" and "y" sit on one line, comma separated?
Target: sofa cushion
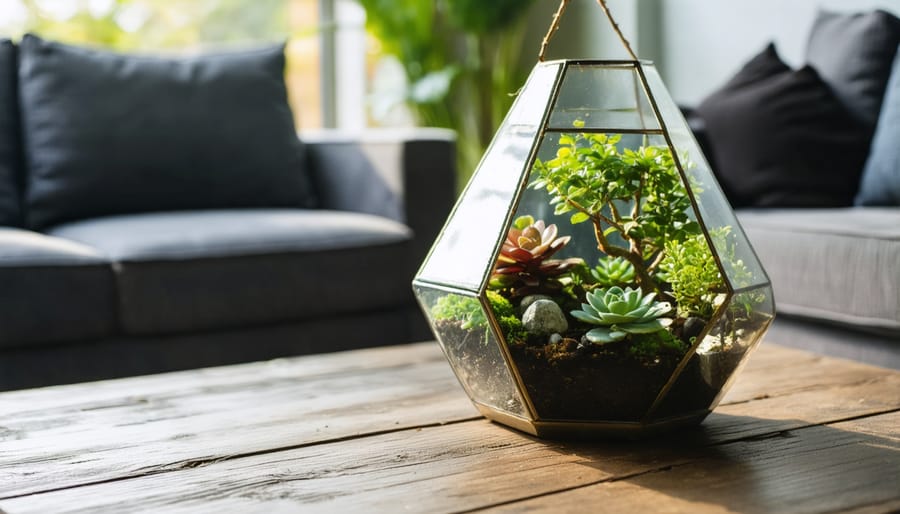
{"x": 10, "y": 157}
{"x": 52, "y": 290}
{"x": 853, "y": 54}
{"x": 838, "y": 265}
{"x": 881, "y": 176}
{"x": 114, "y": 134}
{"x": 780, "y": 138}
{"x": 192, "y": 271}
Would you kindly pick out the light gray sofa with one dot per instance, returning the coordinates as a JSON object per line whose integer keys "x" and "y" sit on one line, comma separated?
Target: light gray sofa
{"x": 836, "y": 277}
{"x": 835, "y": 271}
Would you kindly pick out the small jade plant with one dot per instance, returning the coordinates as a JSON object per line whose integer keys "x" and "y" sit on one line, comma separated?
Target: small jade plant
{"x": 524, "y": 266}
{"x": 620, "y": 312}
{"x": 635, "y": 195}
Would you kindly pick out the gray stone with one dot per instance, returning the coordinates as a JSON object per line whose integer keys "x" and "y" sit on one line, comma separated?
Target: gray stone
{"x": 544, "y": 317}
{"x": 530, "y": 299}
{"x": 692, "y": 327}
{"x": 555, "y": 338}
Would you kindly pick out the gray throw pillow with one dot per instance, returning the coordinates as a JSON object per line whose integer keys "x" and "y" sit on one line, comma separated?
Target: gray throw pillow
{"x": 10, "y": 153}
{"x": 108, "y": 133}
{"x": 853, "y": 55}
{"x": 881, "y": 175}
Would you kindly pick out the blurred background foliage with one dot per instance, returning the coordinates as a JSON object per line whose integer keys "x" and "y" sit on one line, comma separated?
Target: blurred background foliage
{"x": 456, "y": 62}
{"x": 180, "y": 26}
{"x": 154, "y": 24}
{"x": 461, "y": 64}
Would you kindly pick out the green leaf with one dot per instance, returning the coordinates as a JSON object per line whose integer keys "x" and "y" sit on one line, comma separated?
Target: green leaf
{"x": 648, "y": 327}
{"x": 604, "y": 335}
{"x": 434, "y": 86}
{"x": 562, "y": 209}
{"x": 579, "y": 217}
{"x": 523, "y": 221}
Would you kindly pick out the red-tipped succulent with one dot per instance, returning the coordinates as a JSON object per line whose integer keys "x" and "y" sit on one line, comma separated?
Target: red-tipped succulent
{"x": 524, "y": 265}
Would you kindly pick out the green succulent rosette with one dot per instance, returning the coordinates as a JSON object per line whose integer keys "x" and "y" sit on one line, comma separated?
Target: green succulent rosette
{"x": 620, "y": 312}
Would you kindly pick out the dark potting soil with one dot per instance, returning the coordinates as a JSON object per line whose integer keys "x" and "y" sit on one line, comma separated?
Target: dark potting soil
{"x": 587, "y": 383}
{"x": 591, "y": 383}
{"x": 699, "y": 383}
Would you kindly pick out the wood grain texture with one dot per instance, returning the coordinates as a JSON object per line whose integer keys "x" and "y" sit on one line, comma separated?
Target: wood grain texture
{"x": 830, "y": 468}
{"x": 65, "y": 436}
{"x": 770, "y": 430}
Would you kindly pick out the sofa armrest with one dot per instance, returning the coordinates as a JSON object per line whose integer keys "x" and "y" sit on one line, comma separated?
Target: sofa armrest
{"x": 406, "y": 175}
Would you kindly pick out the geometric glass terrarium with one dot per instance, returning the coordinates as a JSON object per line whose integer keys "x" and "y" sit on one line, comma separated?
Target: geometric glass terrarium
{"x": 592, "y": 277}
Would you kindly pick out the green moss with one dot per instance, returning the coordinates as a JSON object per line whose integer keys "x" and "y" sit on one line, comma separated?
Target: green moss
{"x": 468, "y": 310}
{"x": 500, "y": 305}
{"x": 650, "y": 346}
{"x": 510, "y": 324}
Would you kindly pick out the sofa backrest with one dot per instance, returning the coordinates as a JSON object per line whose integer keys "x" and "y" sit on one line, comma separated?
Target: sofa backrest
{"x": 10, "y": 153}
{"x": 107, "y": 133}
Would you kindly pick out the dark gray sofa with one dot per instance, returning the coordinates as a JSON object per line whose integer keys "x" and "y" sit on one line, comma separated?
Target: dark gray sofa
{"x": 161, "y": 213}
{"x": 151, "y": 292}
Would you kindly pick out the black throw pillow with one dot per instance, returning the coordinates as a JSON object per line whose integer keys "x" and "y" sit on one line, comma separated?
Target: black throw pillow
{"x": 10, "y": 153}
{"x": 853, "y": 55}
{"x": 107, "y": 133}
{"x": 780, "y": 138}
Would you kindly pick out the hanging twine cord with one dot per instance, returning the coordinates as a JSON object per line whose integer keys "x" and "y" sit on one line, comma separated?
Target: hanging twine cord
{"x": 615, "y": 27}
{"x": 554, "y": 26}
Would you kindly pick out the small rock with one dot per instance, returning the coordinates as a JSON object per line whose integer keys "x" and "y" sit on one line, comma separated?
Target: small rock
{"x": 584, "y": 346}
{"x": 692, "y": 327}
{"x": 544, "y": 317}
{"x": 555, "y": 338}
{"x": 530, "y": 299}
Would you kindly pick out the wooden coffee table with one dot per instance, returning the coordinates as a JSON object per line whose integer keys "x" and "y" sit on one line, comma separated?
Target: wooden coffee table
{"x": 391, "y": 430}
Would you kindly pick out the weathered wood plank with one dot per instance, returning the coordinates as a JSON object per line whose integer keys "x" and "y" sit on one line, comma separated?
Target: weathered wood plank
{"x": 62, "y": 437}
{"x": 189, "y": 419}
{"x": 467, "y": 465}
{"x": 783, "y": 370}
{"x": 109, "y": 393}
{"x": 832, "y": 468}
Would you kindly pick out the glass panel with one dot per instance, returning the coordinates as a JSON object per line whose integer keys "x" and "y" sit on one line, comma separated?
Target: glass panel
{"x": 742, "y": 268}
{"x": 603, "y": 96}
{"x": 462, "y": 329}
{"x": 722, "y": 351}
{"x": 462, "y": 253}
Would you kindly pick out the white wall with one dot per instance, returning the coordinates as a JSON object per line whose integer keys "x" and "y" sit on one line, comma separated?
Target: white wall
{"x": 704, "y": 42}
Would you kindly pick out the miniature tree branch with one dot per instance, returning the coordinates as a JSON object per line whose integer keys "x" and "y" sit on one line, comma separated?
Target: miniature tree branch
{"x": 636, "y": 208}
{"x": 660, "y": 255}
{"x": 644, "y": 279}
